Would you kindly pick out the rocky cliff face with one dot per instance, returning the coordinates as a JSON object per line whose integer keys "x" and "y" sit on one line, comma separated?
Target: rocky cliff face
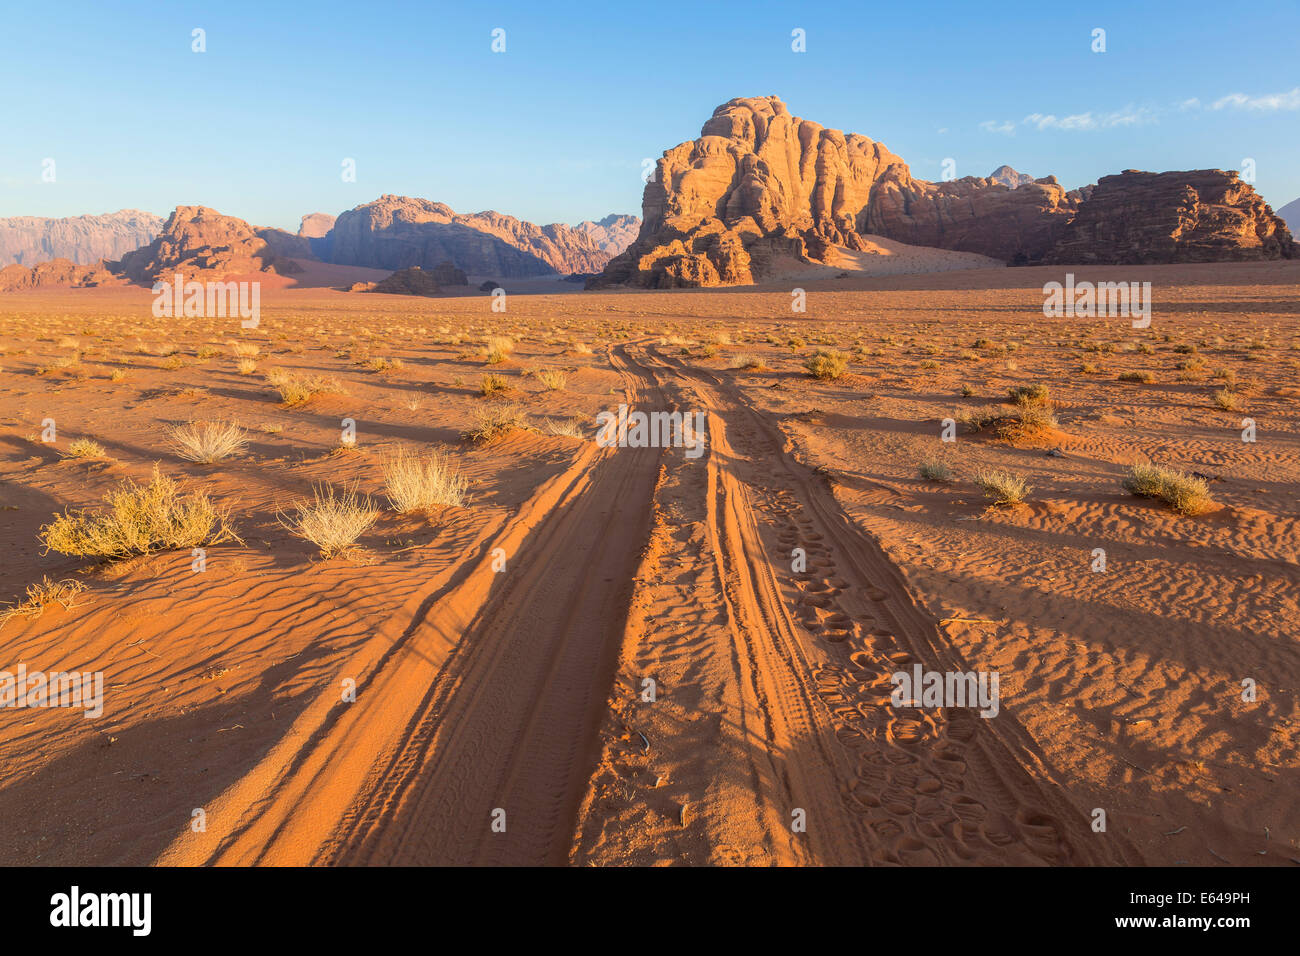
{"x": 197, "y": 240}
{"x": 761, "y": 185}
{"x": 397, "y": 232}
{"x": 1204, "y": 215}
{"x": 27, "y": 240}
{"x": 612, "y": 234}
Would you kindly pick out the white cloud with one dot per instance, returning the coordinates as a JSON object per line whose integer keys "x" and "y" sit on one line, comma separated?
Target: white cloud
{"x": 1006, "y": 127}
{"x": 1129, "y": 116}
{"x": 1189, "y": 104}
{"x": 1271, "y": 101}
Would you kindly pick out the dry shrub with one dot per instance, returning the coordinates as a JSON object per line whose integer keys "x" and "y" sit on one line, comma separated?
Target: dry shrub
{"x": 140, "y": 519}
{"x": 1186, "y": 495}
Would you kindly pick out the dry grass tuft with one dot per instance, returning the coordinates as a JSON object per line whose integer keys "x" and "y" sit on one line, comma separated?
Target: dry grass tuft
{"x": 43, "y": 594}
{"x": 332, "y": 521}
{"x": 495, "y": 421}
{"x": 86, "y": 448}
{"x": 207, "y": 442}
{"x": 1002, "y": 487}
{"x": 415, "y": 482}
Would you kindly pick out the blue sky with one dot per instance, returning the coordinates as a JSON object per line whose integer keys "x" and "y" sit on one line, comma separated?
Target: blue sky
{"x": 555, "y": 128}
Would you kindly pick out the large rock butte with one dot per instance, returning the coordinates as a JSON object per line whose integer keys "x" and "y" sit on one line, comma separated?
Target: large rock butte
{"x": 1200, "y": 215}
{"x": 198, "y": 241}
{"x": 397, "y": 232}
{"x": 761, "y": 187}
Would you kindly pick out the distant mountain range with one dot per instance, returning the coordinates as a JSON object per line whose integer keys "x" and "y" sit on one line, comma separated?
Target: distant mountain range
{"x": 27, "y": 240}
{"x": 393, "y": 232}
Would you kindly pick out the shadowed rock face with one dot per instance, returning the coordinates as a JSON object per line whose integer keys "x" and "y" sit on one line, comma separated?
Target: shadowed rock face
{"x": 198, "y": 240}
{"x": 397, "y": 232}
{"x": 760, "y": 184}
{"x": 1203, "y": 215}
{"x": 27, "y": 240}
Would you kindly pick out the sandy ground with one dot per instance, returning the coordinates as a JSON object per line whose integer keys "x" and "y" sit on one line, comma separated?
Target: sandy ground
{"x": 520, "y": 686}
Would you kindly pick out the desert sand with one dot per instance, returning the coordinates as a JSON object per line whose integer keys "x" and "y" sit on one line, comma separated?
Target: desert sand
{"x": 499, "y": 650}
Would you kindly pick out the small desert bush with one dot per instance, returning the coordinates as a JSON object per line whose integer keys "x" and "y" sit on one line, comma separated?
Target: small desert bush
{"x": 245, "y": 349}
{"x": 1002, "y": 487}
{"x": 552, "y": 378}
{"x": 568, "y": 427}
{"x": 1229, "y": 401}
{"x": 977, "y": 419}
{"x": 934, "y": 469}
{"x": 497, "y": 349}
{"x": 207, "y": 442}
{"x": 333, "y": 520}
{"x": 41, "y": 595}
{"x": 385, "y": 365}
{"x": 86, "y": 448}
{"x": 745, "y": 361}
{"x": 1027, "y": 423}
{"x": 1146, "y": 378}
{"x": 415, "y": 482}
{"x": 1030, "y": 395}
{"x": 301, "y": 389}
{"x": 826, "y": 365}
{"x": 494, "y": 421}
{"x": 492, "y": 383}
{"x": 140, "y": 519}
{"x": 246, "y": 366}
{"x": 1185, "y": 494}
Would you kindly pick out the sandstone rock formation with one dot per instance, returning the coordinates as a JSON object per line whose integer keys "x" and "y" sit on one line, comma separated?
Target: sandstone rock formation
{"x": 397, "y": 232}
{"x": 412, "y": 281}
{"x": 761, "y": 189}
{"x": 1203, "y": 215}
{"x": 197, "y": 240}
{"x": 612, "y": 234}
{"x": 56, "y": 272}
{"x": 761, "y": 186}
{"x": 27, "y": 240}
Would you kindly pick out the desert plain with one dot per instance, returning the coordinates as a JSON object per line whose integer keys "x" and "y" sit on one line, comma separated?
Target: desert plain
{"x": 466, "y": 665}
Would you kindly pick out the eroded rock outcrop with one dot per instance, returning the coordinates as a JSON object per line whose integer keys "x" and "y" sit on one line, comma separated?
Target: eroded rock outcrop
{"x": 27, "y": 240}
{"x": 1202, "y": 215}
{"x": 761, "y": 187}
{"x": 397, "y": 232}
{"x": 54, "y": 274}
{"x": 197, "y": 240}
